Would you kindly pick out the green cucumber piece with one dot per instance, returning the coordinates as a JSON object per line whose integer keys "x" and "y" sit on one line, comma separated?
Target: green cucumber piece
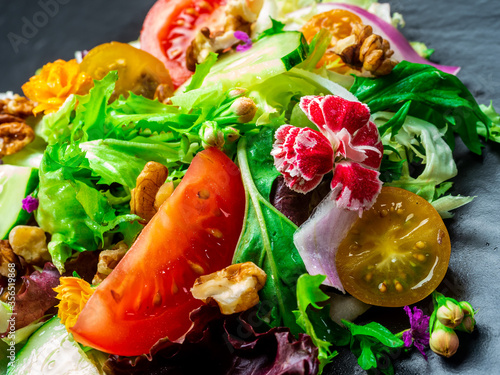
{"x": 51, "y": 350}
{"x": 15, "y": 184}
{"x": 269, "y": 56}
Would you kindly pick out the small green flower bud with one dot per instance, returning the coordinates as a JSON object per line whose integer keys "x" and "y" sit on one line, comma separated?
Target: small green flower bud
{"x": 466, "y": 308}
{"x": 234, "y": 93}
{"x": 450, "y": 314}
{"x": 467, "y": 325}
{"x": 211, "y": 135}
{"x": 444, "y": 341}
{"x": 231, "y": 134}
{"x": 244, "y": 108}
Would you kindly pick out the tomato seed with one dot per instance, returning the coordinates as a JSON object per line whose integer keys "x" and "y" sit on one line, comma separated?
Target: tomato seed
{"x": 174, "y": 287}
{"x": 203, "y": 194}
{"x": 421, "y": 257}
{"x": 157, "y": 299}
{"x": 196, "y": 268}
{"x": 382, "y": 287}
{"x": 398, "y": 286}
{"x": 216, "y": 233}
{"x": 420, "y": 245}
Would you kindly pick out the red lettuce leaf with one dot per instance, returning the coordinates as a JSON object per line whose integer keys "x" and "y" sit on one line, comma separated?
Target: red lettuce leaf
{"x": 36, "y": 295}
{"x": 223, "y": 345}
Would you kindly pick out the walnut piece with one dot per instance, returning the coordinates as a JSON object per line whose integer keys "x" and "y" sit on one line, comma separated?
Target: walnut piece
{"x": 239, "y": 16}
{"x": 18, "y": 106}
{"x": 164, "y": 192}
{"x": 7, "y": 259}
{"x": 148, "y": 183}
{"x": 365, "y": 50}
{"x": 14, "y": 134}
{"x": 30, "y": 243}
{"x": 108, "y": 260}
{"x": 234, "y": 288}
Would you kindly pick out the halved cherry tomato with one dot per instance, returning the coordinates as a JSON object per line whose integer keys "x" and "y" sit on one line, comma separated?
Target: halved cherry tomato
{"x": 397, "y": 253}
{"x": 171, "y": 25}
{"x": 147, "y": 296}
{"x": 138, "y": 71}
{"x": 339, "y": 23}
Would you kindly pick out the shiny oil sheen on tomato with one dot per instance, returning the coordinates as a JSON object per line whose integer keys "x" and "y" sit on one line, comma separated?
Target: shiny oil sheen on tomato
{"x": 397, "y": 253}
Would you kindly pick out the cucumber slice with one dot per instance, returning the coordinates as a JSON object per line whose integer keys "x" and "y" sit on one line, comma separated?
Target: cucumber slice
{"x": 51, "y": 350}
{"x": 15, "y": 184}
{"x": 270, "y": 56}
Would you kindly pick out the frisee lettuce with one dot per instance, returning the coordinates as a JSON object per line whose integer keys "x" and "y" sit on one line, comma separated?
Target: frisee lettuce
{"x": 97, "y": 150}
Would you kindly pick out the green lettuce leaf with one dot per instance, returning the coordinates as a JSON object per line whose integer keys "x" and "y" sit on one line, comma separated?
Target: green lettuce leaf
{"x": 417, "y": 140}
{"x": 201, "y": 72}
{"x": 494, "y": 131}
{"x": 314, "y": 319}
{"x": 276, "y": 28}
{"x": 267, "y": 236}
{"x": 437, "y": 97}
{"x": 371, "y": 344}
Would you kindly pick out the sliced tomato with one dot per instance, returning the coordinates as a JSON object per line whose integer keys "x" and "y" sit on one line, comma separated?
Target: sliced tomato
{"x": 171, "y": 25}
{"x": 397, "y": 253}
{"x": 147, "y": 297}
{"x": 340, "y": 24}
{"x": 138, "y": 71}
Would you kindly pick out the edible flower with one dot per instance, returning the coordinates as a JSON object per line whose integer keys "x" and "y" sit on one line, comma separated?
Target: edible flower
{"x": 444, "y": 341}
{"x": 347, "y": 143}
{"x": 56, "y": 81}
{"x": 30, "y": 204}
{"x": 418, "y": 334}
{"x": 74, "y": 294}
{"x": 243, "y": 36}
{"x": 468, "y": 322}
{"x": 449, "y": 315}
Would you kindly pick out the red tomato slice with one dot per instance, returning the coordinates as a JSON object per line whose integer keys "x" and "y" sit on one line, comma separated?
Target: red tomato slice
{"x": 147, "y": 297}
{"x": 171, "y": 25}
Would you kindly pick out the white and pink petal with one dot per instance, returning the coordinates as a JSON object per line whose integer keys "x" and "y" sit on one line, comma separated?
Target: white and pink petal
{"x": 355, "y": 187}
{"x": 303, "y": 156}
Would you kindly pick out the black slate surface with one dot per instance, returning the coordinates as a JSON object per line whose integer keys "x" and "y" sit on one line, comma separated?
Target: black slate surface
{"x": 463, "y": 33}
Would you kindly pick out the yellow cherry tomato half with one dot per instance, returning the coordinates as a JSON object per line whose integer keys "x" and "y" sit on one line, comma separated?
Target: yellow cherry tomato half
{"x": 397, "y": 253}
{"x": 340, "y": 24}
{"x": 138, "y": 71}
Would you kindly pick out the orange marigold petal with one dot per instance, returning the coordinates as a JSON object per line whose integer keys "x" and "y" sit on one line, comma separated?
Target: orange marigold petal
{"x": 74, "y": 294}
{"x": 56, "y": 81}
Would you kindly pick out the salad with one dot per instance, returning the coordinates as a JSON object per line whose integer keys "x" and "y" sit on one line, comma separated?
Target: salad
{"x": 311, "y": 149}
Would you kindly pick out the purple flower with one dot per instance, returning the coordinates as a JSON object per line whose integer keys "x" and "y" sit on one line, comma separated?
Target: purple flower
{"x": 418, "y": 334}
{"x": 30, "y": 204}
{"x": 243, "y": 36}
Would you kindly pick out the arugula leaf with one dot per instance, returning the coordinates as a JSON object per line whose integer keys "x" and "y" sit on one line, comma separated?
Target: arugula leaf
{"x": 277, "y": 27}
{"x": 437, "y": 97}
{"x": 315, "y": 320}
{"x": 201, "y": 72}
{"x": 267, "y": 236}
{"x": 370, "y": 343}
{"x": 396, "y": 122}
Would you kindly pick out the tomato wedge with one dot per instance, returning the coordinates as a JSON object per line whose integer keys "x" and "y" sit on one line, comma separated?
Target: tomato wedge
{"x": 397, "y": 253}
{"x": 147, "y": 297}
{"x": 171, "y": 25}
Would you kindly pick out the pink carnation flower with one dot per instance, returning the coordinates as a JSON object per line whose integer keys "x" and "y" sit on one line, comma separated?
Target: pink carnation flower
{"x": 347, "y": 143}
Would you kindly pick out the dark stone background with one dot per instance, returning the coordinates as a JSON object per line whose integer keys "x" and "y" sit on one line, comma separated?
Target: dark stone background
{"x": 463, "y": 32}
